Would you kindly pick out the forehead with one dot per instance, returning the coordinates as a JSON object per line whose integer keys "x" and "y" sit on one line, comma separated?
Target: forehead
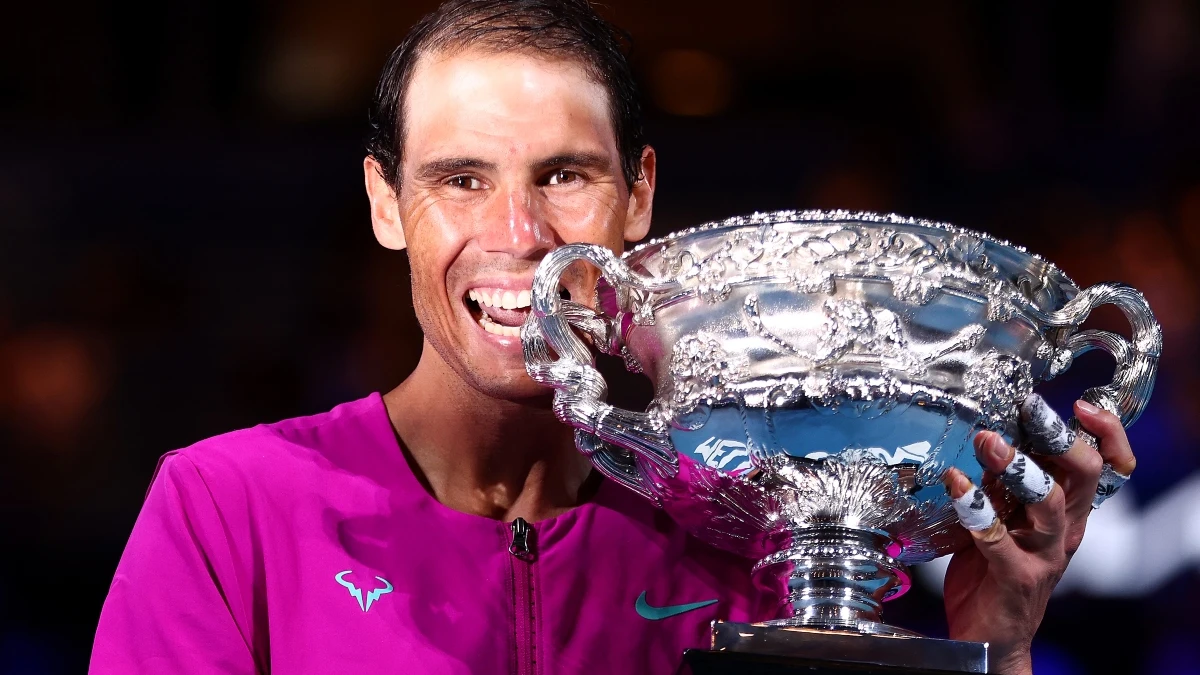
{"x": 471, "y": 101}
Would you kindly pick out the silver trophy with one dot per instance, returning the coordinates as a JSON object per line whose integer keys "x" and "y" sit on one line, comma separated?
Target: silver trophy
{"x": 815, "y": 374}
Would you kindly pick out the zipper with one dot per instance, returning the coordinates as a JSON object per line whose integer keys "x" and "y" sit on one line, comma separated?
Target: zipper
{"x": 520, "y": 545}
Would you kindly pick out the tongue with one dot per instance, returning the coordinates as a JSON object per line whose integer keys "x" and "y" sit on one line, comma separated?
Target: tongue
{"x": 505, "y": 317}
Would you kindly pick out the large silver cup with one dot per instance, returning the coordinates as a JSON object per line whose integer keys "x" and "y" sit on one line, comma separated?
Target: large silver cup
{"x": 815, "y": 374}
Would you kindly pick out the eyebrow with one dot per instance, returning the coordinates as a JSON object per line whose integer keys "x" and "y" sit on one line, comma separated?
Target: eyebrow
{"x": 437, "y": 168}
{"x": 583, "y": 160}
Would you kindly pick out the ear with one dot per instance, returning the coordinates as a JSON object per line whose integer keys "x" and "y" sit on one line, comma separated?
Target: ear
{"x": 385, "y": 210}
{"x": 641, "y": 199}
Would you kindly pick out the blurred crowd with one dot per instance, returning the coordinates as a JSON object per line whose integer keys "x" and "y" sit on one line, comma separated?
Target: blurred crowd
{"x": 185, "y": 246}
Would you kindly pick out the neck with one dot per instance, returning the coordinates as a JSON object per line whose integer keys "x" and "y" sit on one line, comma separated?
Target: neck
{"x": 477, "y": 454}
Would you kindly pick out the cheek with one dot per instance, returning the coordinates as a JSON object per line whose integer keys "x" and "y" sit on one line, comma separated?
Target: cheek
{"x": 595, "y": 216}
{"x": 434, "y": 244}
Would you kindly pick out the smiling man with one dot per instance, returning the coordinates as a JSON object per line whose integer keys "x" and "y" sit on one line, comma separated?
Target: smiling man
{"x": 450, "y": 526}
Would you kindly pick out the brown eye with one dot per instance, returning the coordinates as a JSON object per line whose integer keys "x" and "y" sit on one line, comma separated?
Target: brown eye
{"x": 465, "y": 183}
{"x": 562, "y": 176}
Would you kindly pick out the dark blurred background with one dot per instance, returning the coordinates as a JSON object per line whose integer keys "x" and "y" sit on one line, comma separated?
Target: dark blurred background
{"x": 185, "y": 245}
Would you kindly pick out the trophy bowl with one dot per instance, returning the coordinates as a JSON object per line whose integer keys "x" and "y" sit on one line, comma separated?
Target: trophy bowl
{"x": 815, "y": 374}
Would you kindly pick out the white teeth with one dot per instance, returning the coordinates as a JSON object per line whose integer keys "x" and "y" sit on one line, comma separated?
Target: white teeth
{"x": 496, "y": 329}
{"x": 497, "y": 297}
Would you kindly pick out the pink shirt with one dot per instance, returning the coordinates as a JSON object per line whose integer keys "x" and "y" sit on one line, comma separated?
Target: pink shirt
{"x": 308, "y": 546}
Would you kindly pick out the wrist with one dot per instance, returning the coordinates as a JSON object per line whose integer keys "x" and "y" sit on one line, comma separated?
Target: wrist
{"x": 1020, "y": 663}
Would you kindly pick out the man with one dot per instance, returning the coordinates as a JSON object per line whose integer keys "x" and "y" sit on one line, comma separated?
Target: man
{"x": 450, "y": 526}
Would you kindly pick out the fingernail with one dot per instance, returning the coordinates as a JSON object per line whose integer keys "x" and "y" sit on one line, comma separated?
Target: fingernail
{"x": 992, "y": 450}
{"x": 981, "y": 440}
{"x": 1087, "y": 407}
{"x": 957, "y": 484}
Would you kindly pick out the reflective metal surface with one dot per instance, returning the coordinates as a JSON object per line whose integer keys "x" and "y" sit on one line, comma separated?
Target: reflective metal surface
{"x": 815, "y": 374}
{"x": 925, "y": 654}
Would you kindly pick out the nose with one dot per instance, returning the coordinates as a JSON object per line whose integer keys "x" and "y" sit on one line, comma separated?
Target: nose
{"x": 516, "y": 226}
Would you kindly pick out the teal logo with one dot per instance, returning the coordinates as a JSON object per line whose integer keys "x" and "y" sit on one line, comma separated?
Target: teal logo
{"x": 357, "y": 593}
{"x": 645, "y": 611}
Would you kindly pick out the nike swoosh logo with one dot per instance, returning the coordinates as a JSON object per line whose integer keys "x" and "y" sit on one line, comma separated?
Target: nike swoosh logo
{"x": 645, "y": 611}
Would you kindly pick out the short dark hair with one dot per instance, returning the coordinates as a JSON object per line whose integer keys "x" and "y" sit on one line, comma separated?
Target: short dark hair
{"x": 569, "y": 29}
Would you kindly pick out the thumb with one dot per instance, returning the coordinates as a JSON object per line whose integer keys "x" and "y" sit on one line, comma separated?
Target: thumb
{"x": 978, "y": 516}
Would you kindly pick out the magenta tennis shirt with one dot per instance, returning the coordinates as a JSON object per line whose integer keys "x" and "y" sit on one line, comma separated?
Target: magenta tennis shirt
{"x": 309, "y": 546}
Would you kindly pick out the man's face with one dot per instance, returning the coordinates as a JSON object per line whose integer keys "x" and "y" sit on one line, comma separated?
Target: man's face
{"x": 506, "y": 157}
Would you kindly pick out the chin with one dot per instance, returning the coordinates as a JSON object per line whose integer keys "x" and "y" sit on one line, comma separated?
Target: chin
{"x": 522, "y": 392}
{"x": 511, "y": 385}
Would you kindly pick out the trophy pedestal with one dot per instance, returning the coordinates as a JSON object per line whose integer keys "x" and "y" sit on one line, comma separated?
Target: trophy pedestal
{"x": 749, "y": 649}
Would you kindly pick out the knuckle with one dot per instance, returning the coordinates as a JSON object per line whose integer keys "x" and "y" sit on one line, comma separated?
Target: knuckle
{"x": 1056, "y": 501}
{"x": 1129, "y": 465}
{"x": 1111, "y": 426}
{"x": 1091, "y": 463}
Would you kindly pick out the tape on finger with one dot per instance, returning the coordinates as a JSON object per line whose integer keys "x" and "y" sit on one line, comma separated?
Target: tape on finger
{"x": 1047, "y": 433}
{"x": 1028, "y": 482}
{"x": 975, "y": 510}
{"x": 1110, "y": 482}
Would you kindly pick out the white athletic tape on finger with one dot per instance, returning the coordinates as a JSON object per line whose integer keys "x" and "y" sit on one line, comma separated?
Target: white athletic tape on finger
{"x": 975, "y": 510}
{"x": 1110, "y": 482}
{"x": 1046, "y": 431}
{"x": 1028, "y": 482}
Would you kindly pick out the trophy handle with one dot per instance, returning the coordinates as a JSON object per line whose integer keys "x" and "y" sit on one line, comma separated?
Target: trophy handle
{"x": 1137, "y": 358}
{"x": 641, "y": 441}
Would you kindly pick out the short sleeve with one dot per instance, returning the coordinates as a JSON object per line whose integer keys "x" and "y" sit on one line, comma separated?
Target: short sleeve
{"x": 175, "y": 605}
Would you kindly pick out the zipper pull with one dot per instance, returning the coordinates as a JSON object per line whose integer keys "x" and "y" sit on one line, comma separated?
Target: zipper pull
{"x": 521, "y": 545}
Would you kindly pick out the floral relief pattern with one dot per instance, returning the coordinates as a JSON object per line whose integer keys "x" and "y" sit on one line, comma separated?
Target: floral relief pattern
{"x": 812, "y": 258}
{"x": 701, "y": 372}
{"x": 998, "y": 382}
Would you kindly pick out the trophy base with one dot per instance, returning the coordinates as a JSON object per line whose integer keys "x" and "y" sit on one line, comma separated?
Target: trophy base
{"x": 751, "y": 649}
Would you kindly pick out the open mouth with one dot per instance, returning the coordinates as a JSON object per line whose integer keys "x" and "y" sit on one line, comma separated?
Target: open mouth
{"x": 501, "y": 311}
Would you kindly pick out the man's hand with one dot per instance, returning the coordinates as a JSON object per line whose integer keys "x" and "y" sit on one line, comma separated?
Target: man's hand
{"x": 996, "y": 591}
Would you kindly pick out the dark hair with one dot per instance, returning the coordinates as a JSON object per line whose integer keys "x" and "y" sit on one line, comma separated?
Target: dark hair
{"x": 568, "y": 29}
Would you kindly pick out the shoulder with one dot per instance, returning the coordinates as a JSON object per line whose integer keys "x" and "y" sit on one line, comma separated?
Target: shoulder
{"x": 297, "y": 449}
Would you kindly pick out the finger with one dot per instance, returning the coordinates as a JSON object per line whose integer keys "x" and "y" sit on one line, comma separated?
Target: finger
{"x": 1078, "y": 473}
{"x": 1077, "y": 466}
{"x": 1113, "y": 446}
{"x": 1047, "y": 433}
{"x": 1045, "y": 501}
{"x": 976, "y": 514}
{"x": 1110, "y": 481}
{"x": 1110, "y": 434}
{"x": 1027, "y": 481}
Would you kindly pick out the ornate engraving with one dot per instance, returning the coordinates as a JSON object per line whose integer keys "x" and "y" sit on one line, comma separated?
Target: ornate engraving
{"x": 1057, "y": 360}
{"x": 918, "y": 264}
{"x": 851, "y": 487}
{"x": 998, "y": 382}
{"x": 701, "y": 371}
{"x": 852, "y": 330}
